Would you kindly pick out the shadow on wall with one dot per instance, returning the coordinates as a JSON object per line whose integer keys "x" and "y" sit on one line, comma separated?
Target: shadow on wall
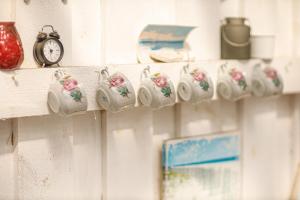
{"x": 212, "y": 117}
{"x": 6, "y": 140}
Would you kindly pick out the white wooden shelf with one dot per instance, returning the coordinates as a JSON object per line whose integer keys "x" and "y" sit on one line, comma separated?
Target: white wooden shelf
{"x": 27, "y": 94}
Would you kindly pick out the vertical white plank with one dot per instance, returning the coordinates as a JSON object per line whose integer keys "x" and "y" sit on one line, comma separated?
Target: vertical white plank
{"x": 284, "y": 29}
{"x": 262, "y": 15}
{"x": 124, "y": 21}
{"x": 231, "y": 8}
{"x": 7, "y": 169}
{"x": 58, "y": 158}
{"x": 30, "y": 19}
{"x": 296, "y": 28}
{"x": 267, "y": 130}
{"x": 295, "y": 136}
{"x": 129, "y": 160}
{"x": 163, "y": 129}
{"x": 87, "y": 156}
{"x": 214, "y": 117}
{"x": 86, "y": 32}
{"x": 7, "y": 11}
{"x": 205, "y": 15}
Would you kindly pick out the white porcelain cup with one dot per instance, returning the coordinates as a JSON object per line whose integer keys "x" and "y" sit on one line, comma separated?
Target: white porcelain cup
{"x": 262, "y": 46}
{"x": 195, "y": 85}
{"x": 232, "y": 84}
{"x": 266, "y": 81}
{"x": 156, "y": 90}
{"x": 115, "y": 92}
{"x": 66, "y": 96}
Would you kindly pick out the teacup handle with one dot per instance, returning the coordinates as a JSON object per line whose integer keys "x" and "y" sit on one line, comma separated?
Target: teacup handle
{"x": 145, "y": 73}
{"x": 59, "y": 74}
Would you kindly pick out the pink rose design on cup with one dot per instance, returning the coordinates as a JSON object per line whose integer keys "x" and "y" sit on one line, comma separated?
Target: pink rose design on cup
{"x": 237, "y": 75}
{"x": 198, "y": 75}
{"x": 239, "y": 78}
{"x": 272, "y": 74}
{"x": 162, "y": 82}
{"x": 70, "y": 84}
{"x": 71, "y": 87}
{"x": 201, "y": 78}
{"x": 116, "y": 81}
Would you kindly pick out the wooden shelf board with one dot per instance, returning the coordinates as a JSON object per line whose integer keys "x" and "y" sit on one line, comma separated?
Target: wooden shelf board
{"x": 27, "y": 95}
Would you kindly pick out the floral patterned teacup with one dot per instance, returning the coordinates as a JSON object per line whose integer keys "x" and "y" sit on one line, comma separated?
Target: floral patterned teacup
{"x": 156, "y": 90}
{"x": 195, "y": 85}
{"x": 232, "y": 84}
{"x": 115, "y": 92}
{"x": 66, "y": 96}
{"x": 266, "y": 81}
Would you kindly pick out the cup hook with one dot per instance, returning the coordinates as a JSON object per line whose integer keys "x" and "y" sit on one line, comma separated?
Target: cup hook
{"x": 104, "y": 73}
{"x": 257, "y": 65}
{"x": 186, "y": 68}
{"x": 287, "y": 66}
{"x": 59, "y": 74}
{"x": 13, "y": 77}
{"x": 223, "y": 66}
{"x": 146, "y": 72}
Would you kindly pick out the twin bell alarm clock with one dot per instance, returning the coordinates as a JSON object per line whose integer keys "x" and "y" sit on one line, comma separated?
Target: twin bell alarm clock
{"x": 48, "y": 49}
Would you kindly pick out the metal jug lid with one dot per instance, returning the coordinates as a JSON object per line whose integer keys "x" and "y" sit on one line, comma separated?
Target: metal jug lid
{"x": 235, "y": 20}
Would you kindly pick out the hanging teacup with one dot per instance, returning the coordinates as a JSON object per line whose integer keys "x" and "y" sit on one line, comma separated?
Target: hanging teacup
{"x": 66, "y": 96}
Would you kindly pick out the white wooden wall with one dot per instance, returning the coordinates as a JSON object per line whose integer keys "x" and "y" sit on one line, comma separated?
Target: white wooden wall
{"x": 118, "y": 155}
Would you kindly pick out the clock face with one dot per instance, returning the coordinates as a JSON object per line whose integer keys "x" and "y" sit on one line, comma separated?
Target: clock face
{"x": 52, "y": 50}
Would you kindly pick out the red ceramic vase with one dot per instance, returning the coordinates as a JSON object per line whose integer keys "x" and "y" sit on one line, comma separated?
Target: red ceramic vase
{"x": 11, "y": 50}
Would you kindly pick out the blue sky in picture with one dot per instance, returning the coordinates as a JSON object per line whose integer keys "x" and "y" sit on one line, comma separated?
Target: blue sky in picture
{"x": 199, "y": 151}
{"x": 164, "y": 36}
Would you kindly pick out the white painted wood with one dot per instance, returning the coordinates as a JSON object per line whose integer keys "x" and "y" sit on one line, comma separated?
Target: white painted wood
{"x": 7, "y": 164}
{"x": 205, "y": 15}
{"x": 267, "y": 130}
{"x": 296, "y": 28}
{"x": 6, "y": 13}
{"x": 86, "y": 32}
{"x": 284, "y": 29}
{"x": 295, "y": 136}
{"x": 231, "y": 8}
{"x": 59, "y": 158}
{"x": 215, "y": 117}
{"x": 262, "y": 18}
{"x": 129, "y": 159}
{"x": 288, "y": 68}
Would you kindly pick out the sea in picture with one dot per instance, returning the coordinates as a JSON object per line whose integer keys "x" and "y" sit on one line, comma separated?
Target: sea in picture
{"x": 202, "y": 168}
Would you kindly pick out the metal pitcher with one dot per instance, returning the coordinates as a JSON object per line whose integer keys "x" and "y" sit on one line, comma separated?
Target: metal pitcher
{"x": 235, "y": 38}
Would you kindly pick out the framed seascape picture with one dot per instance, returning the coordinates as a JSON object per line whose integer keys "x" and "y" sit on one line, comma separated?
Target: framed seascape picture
{"x": 204, "y": 167}
{"x": 164, "y": 43}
